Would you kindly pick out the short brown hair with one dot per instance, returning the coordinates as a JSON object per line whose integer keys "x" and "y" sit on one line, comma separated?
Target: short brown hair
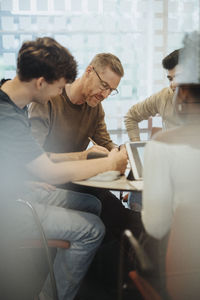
{"x": 46, "y": 58}
{"x": 103, "y": 60}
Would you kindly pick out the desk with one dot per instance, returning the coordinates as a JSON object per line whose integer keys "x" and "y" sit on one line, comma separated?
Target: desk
{"x": 121, "y": 184}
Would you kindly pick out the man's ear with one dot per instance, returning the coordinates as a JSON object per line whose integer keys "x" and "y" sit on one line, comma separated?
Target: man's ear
{"x": 40, "y": 83}
{"x": 89, "y": 69}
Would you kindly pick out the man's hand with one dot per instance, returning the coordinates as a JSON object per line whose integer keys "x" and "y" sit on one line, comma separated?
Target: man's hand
{"x": 97, "y": 148}
{"x": 120, "y": 159}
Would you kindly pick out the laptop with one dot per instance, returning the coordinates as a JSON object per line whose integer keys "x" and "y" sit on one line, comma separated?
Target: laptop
{"x": 135, "y": 151}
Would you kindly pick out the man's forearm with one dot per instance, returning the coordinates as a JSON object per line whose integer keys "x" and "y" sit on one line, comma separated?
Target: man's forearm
{"x": 59, "y": 157}
{"x": 132, "y": 128}
{"x": 72, "y": 156}
{"x": 59, "y": 173}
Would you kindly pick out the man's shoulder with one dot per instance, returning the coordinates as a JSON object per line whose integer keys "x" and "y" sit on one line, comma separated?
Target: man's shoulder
{"x": 161, "y": 96}
{"x": 7, "y": 107}
{"x": 170, "y": 136}
{"x": 36, "y": 108}
{"x": 4, "y": 99}
{"x": 57, "y": 98}
{"x": 13, "y": 118}
{"x": 165, "y": 93}
{"x": 100, "y": 107}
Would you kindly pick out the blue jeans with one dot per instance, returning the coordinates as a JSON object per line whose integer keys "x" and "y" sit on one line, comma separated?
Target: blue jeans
{"x": 66, "y": 199}
{"x": 67, "y": 215}
{"x": 135, "y": 201}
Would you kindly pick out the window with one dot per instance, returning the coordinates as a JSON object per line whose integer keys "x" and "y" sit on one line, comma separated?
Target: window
{"x": 139, "y": 32}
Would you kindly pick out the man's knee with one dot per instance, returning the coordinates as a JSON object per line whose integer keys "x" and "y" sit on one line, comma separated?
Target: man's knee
{"x": 94, "y": 204}
{"x": 97, "y": 228}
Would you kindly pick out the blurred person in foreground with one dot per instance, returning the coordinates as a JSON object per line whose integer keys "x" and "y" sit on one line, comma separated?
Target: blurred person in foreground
{"x": 43, "y": 68}
{"x": 172, "y": 158}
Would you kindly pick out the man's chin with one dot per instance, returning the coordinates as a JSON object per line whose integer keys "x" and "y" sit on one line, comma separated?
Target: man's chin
{"x": 92, "y": 103}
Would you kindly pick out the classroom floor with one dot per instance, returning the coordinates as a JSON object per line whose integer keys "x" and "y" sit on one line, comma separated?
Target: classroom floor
{"x": 101, "y": 281}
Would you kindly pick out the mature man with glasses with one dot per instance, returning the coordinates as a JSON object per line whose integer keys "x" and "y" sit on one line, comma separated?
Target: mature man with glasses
{"x": 64, "y": 124}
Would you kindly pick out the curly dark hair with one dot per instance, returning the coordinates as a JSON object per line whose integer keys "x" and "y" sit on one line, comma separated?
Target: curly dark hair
{"x": 46, "y": 58}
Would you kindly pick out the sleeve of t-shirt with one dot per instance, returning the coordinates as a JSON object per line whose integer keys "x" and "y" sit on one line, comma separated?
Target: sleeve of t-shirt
{"x": 102, "y": 136}
{"x": 18, "y": 141}
{"x": 142, "y": 111}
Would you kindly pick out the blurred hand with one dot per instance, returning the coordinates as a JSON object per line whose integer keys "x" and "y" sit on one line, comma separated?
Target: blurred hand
{"x": 97, "y": 148}
{"x": 43, "y": 185}
{"x": 119, "y": 159}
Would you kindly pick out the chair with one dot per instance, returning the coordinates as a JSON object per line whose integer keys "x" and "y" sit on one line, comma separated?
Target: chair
{"x": 51, "y": 244}
{"x": 146, "y": 290}
{"x": 29, "y": 263}
{"x": 182, "y": 259}
{"x": 154, "y": 130}
{"x": 32, "y": 267}
{"x": 142, "y": 285}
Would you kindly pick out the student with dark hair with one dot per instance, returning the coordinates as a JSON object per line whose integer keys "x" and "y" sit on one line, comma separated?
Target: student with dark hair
{"x": 39, "y": 59}
{"x": 22, "y": 159}
{"x": 159, "y": 103}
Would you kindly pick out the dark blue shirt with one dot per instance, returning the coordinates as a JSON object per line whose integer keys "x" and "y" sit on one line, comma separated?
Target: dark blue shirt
{"x": 17, "y": 147}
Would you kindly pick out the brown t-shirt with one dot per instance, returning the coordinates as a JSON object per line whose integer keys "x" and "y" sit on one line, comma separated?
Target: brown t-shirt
{"x": 61, "y": 126}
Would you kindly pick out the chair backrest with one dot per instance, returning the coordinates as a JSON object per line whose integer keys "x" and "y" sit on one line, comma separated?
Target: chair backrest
{"x": 155, "y": 130}
{"x": 152, "y": 129}
{"x": 25, "y": 269}
{"x": 183, "y": 254}
{"x": 144, "y": 287}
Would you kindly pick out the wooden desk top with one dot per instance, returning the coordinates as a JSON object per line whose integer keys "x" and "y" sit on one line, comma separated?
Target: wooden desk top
{"x": 121, "y": 184}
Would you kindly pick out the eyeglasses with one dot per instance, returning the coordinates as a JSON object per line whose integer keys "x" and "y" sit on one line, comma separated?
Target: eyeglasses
{"x": 105, "y": 86}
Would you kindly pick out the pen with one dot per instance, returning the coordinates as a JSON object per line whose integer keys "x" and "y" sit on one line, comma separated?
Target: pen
{"x": 91, "y": 140}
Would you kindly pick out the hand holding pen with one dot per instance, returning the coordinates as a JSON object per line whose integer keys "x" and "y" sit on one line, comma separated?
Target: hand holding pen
{"x": 92, "y": 141}
{"x": 95, "y": 144}
{"x": 115, "y": 153}
{"x": 96, "y": 147}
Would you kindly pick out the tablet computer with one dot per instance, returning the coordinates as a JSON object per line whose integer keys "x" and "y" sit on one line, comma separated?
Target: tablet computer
{"x": 135, "y": 151}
